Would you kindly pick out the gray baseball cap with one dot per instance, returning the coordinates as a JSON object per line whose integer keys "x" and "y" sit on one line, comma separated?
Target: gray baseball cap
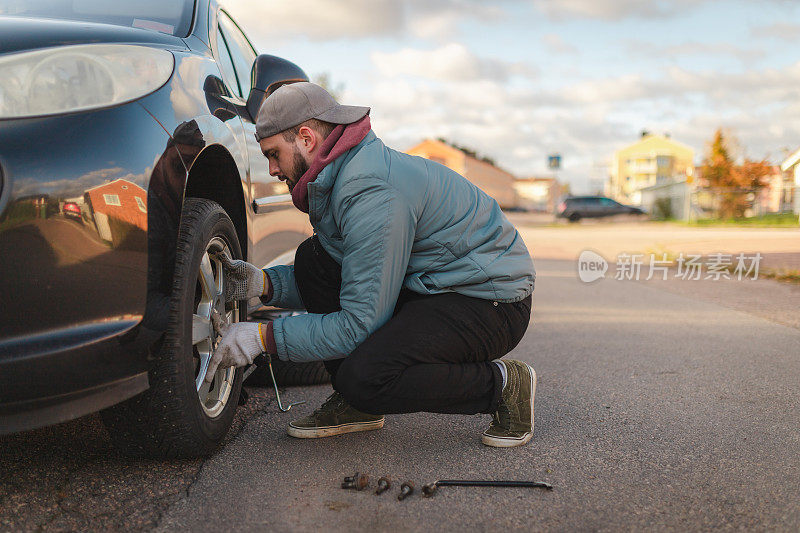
{"x": 294, "y": 103}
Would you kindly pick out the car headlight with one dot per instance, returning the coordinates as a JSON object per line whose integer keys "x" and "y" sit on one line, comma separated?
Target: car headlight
{"x": 80, "y": 77}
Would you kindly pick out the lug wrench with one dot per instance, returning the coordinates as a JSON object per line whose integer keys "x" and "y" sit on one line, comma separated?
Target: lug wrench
{"x": 429, "y": 489}
{"x": 259, "y": 360}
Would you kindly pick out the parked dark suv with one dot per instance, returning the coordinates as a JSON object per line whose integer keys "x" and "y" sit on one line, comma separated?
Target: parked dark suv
{"x": 137, "y": 120}
{"x": 575, "y": 208}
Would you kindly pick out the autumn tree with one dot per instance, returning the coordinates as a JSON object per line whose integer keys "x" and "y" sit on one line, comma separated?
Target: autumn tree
{"x": 733, "y": 183}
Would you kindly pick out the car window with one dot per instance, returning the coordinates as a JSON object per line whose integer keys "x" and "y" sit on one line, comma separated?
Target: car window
{"x": 241, "y": 51}
{"x": 608, "y": 202}
{"x": 226, "y": 65}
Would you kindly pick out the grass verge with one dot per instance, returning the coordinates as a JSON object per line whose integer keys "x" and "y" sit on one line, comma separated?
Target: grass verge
{"x": 772, "y": 220}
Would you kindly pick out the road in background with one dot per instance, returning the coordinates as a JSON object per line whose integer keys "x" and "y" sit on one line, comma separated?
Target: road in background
{"x": 780, "y": 247}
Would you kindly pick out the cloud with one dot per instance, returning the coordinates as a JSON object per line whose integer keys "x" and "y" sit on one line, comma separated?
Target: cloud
{"x": 785, "y": 31}
{"x": 70, "y": 187}
{"x": 613, "y": 9}
{"x": 519, "y": 126}
{"x": 439, "y": 20}
{"x": 694, "y": 49}
{"x": 354, "y": 19}
{"x": 507, "y": 124}
{"x": 320, "y": 19}
{"x": 557, "y": 45}
{"x": 449, "y": 63}
{"x": 720, "y": 90}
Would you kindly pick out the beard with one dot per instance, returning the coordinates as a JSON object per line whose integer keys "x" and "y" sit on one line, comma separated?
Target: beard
{"x": 299, "y": 167}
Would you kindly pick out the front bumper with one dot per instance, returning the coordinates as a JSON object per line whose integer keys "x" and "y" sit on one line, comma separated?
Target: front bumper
{"x": 64, "y": 374}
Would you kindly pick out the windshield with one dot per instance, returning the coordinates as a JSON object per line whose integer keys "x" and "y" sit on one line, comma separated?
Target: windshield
{"x": 167, "y": 16}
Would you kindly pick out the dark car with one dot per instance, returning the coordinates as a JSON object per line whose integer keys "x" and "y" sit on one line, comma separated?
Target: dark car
{"x": 575, "y": 208}
{"x": 140, "y": 115}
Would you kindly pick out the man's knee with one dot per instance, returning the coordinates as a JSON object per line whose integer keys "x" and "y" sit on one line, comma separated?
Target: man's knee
{"x": 359, "y": 386}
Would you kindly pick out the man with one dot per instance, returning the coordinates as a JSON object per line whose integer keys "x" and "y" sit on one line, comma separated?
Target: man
{"x": 414, "y": 281}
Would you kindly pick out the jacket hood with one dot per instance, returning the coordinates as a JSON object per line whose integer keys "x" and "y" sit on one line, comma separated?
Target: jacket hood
{"x": 327, "y": 176}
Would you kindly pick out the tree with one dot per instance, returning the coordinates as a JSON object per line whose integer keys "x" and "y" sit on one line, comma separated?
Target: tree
{"x": 735, "y": 184}
{"x": 323, "y": 79}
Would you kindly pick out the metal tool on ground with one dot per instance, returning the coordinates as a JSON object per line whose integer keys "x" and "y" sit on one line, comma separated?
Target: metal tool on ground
{"x": 429, "y": 489}
{"x": 351, "y": 478}
{"x": 384, "y": 484}
{"x": 266, "y": 358}
{"x": 406, "y": 490}
{"x": 358, "y": 482}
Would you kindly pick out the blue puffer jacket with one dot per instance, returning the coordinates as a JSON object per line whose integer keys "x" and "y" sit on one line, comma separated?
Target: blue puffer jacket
{"x": 393, "y": 220}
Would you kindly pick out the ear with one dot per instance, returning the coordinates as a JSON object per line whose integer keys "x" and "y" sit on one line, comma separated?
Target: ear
{"x": 308, "y": 139}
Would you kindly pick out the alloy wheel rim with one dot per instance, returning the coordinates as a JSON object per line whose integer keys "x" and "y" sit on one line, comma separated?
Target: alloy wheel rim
{"x": 210, "y": 288}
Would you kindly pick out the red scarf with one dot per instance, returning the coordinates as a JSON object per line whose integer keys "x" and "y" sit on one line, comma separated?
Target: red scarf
{"x": 342, "y": 138}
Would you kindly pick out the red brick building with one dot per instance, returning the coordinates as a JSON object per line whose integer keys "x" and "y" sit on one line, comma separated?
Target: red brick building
{"x": 120, "y": 199}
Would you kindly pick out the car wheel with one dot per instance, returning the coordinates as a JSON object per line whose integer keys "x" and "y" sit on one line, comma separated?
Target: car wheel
{"x": 574, "y": 217}
{"x": 181, "y": 415}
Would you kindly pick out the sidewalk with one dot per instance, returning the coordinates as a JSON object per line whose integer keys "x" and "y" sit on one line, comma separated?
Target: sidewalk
{"x": 779, "y": 247}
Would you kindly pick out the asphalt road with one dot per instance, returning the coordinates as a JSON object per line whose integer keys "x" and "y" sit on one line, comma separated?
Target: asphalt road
{"x": 659, "y": 406}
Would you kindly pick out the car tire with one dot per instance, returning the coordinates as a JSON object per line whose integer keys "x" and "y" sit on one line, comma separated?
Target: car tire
{"x": 174, "y": 418}
{"x": 289, "y": 374}
{"x": 574, "y": 217}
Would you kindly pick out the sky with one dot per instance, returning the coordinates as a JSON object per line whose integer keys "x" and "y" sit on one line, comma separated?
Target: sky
{"x": 517, "y": 80}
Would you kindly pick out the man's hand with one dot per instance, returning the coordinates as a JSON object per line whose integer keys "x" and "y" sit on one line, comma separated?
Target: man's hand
{"x": 241, "y": 343}
{"x": 242, "y": 280}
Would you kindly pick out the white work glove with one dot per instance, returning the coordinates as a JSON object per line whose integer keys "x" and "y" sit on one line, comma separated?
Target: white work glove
{"x": 242, "y": 280}
{"x": 241, "y": 343}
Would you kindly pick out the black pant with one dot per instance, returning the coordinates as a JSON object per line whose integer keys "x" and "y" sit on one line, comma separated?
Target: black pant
{"x": 433, "y": 355}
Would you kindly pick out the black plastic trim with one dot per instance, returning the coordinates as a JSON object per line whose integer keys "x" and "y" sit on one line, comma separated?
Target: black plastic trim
{"x": 22, "y": 416}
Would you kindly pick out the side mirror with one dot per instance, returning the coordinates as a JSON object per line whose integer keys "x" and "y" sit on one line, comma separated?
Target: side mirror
{"x": 269, "y": 73}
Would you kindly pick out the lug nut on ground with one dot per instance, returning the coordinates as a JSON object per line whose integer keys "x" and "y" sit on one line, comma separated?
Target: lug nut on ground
{"x": 356, "y": 482}
{"x": 384, "y": 484}
{"x": 406, "y": 489}
{"x": 429, "y": 489}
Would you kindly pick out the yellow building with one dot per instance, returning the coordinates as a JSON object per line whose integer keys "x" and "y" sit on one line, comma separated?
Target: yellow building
{"x": 494, "y": 181}
{"x": 652, "y": 160}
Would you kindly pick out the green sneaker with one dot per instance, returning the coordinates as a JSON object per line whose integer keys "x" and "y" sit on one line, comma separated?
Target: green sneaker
{"x": 512, "y": 424}
{"x": 334, "y": 417}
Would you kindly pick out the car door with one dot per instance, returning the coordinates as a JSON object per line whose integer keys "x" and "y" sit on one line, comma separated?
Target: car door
{"x": 276, "y": 227}
{"x": 236, "y": 57}
{"x": 590, "y": 207}
{"x": 606, "y": 207}
{"x": 612, "y": 207}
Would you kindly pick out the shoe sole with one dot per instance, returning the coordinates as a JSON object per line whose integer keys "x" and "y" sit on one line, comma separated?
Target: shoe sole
{"x": 510, "y": 442}
{"x": 330, "y": 431}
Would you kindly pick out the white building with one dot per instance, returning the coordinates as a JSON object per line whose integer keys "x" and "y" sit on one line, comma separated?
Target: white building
{"x": 792, "y": 165}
